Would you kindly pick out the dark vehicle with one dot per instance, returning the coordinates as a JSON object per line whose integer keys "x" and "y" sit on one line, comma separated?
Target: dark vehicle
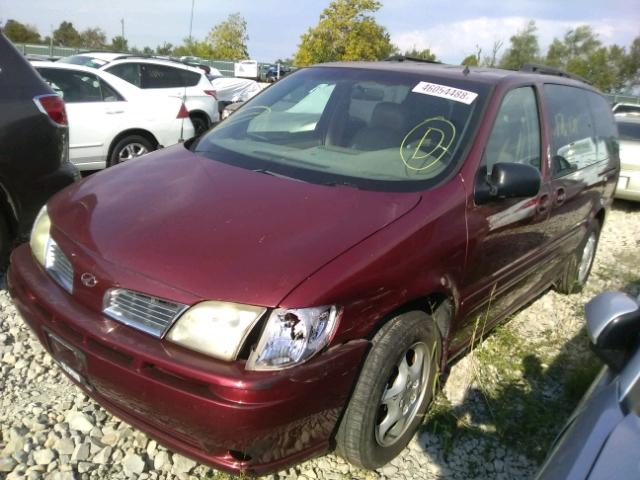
{"x": 296, "y": 278}
{"x": 273, "y": 73}
{"x": 602, "y": 436}
{"x": 34, "y": 148}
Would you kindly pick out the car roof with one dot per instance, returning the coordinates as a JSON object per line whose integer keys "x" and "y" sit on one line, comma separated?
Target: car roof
{"x": 492, "y": 76}
{"x": 63, "y": 66}
{"x": 106, "y": 56}
{"x": 156, "y": 61}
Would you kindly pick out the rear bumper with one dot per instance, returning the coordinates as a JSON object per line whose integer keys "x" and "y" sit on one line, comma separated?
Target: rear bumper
{"x": 628, "y": 185}
{"x": 214, "y": 412}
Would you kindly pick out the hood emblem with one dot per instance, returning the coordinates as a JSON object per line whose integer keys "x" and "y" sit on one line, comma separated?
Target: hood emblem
{"x": 88, "y": 280}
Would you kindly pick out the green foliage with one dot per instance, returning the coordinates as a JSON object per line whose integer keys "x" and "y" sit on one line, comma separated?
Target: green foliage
{"x": 194, "y": 48}
{"x": 470, "y": 61}
{"x": 20, "y": 32}
{"x": 611, "y": 69}
{"x": 66, "y": 35}
{"x": 93, "y": 38}
{"x": 226, "y": 41}
{"x": 523, "y": 48}
{"x": 346, "y": 31}
{"x": 425, "y": 54}
{"x": 165, "y": 49}
{"x": 119, "y": 44}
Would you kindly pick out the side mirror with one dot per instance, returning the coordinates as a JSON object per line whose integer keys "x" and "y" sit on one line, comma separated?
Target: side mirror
{"x": 507, "y": 180}
{"x": 613, "y": 323}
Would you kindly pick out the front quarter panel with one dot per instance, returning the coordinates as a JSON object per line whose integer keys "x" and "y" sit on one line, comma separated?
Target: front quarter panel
{"x": 419, "y": 254}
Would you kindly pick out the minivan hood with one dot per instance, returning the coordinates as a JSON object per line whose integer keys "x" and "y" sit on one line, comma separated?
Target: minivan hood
{"x": 218, "y": 231}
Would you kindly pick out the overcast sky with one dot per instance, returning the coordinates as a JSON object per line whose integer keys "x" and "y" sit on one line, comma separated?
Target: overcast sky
{"x": 450, "y": 28}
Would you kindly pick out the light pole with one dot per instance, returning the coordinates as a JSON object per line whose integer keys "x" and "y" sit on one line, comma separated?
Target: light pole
{"x": 191, "y": 25}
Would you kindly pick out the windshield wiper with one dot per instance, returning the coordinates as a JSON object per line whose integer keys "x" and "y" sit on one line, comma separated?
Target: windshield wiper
{"x": 275, "y": 174}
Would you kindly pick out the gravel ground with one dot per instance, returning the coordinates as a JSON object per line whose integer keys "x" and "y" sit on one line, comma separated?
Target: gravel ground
{"x": 50, "y": 430}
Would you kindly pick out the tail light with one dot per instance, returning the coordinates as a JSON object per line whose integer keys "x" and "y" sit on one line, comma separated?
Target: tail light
{"x": 213, "y": 93}
{"x": 53, "y": 107}
{"x": 183, "y": 112}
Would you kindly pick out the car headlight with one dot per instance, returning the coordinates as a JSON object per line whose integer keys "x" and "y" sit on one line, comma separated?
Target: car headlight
{"x": 40, "y": 235}
{"x": 292, "y": 336}
{"x": 217, "y": 329}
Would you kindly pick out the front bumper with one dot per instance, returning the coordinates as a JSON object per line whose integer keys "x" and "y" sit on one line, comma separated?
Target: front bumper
{"x": 213, "y": 411}
{"x": 628, "y": 185}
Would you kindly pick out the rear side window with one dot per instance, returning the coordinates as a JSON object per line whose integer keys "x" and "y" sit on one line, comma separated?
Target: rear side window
{"x": 129, "y": 72}
{"x": 72, "y": 86}
{"x": 573, "y": 142}
{"x": 161, "y": 76}
{"x": 604, "y": 123}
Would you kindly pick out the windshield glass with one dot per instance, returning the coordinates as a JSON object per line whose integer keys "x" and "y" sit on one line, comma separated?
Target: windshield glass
{"x": 84, "y": 60}
{"x": 629, "y": 131}
{"x": 367, "y": 128}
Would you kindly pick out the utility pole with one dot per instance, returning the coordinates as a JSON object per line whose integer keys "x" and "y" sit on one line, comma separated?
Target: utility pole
{"x": 122, "y": 23}
{"x": 191, "y": 21}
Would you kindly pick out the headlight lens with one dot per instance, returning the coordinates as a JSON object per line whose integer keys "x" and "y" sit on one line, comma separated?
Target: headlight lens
{"x": 217, "y": 329}
{"x": 40, "y": 235}
{"x": 292, "y": 336}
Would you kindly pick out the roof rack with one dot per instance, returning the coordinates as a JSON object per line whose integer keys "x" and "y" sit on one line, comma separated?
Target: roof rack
{"x": 404, "y": 58}
{"x": 545, "y": 70}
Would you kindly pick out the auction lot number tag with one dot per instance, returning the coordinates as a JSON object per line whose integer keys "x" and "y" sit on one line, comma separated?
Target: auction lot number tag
{"x": 443, "y": 91}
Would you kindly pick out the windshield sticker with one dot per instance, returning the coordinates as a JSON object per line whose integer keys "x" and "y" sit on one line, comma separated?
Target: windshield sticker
{"x": 426, "y": 143}
{"x": 442, "y": 91}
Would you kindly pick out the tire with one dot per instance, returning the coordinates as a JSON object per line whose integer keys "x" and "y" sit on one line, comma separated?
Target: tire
{"x": 200, "y": 123}
{"x": 367, "y": 436}
{"x": 578, "y": 267}
{"x": 129, "y": 147}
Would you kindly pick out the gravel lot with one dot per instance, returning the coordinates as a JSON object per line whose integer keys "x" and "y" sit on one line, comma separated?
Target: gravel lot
{"x": 50, "y": 430}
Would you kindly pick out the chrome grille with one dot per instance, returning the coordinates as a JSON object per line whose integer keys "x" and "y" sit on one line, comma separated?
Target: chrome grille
{"x": 150, "y": 314}
{"x": 58, "y": 266}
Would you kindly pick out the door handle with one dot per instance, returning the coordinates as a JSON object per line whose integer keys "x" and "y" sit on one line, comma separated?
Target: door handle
{"x": 543, "y": 203}
{"x": 561, "y": 196}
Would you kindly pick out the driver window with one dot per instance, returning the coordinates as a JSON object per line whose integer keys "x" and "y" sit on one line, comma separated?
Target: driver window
{"x": 515, "y": 137}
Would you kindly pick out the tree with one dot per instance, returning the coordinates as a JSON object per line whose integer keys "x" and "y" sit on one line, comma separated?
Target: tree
{"x": 631, "y": 65}
{"x": 119, "y": 44}
{"x": 346, "y": 31}
{"x": 492, "y": 59}
{"x": 228, "y": 40}
{"x": 21, "y": 33}
{"x": 578, "y": 44}
{"x": 66, "y": 35}
{"x": 523, "y": 48}
{"x": 94, "y": 38}
{"x": 425, "y": 54}
{"x": 165, "y": 49}
{"x": 470, "y": 61}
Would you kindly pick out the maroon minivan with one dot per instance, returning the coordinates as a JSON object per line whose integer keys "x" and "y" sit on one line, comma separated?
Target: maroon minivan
{"x": 295, "y": 279}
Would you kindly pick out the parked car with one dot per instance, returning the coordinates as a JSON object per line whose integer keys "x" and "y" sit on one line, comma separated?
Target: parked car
{"x": 34, "y": 161}
{"x": 602, "y": 436}
{"x": 299, "y": 276}
{"x": 110, "y": 120}
{"x": 633, "y": 108}
{"x": 161, "y": 76}
{"x": 274, "y": 73}
{"x": 231, "y": 90}
{"x": 629, "y": 181}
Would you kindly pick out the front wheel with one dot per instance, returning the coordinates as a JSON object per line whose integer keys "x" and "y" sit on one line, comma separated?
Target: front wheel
{"x": 578, "y": 267}
{"x": 130, "y": 147}
{"x": 393, "y": 392}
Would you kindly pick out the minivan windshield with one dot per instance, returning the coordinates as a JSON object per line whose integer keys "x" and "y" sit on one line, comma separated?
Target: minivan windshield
{"x": 373, "y": 129}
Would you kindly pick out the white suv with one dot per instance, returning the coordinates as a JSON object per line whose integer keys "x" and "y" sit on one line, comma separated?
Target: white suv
{"x": 165, "y": 77}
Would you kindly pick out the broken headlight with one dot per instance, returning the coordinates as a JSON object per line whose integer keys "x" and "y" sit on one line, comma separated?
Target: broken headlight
{"x": 292, "y": 336}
